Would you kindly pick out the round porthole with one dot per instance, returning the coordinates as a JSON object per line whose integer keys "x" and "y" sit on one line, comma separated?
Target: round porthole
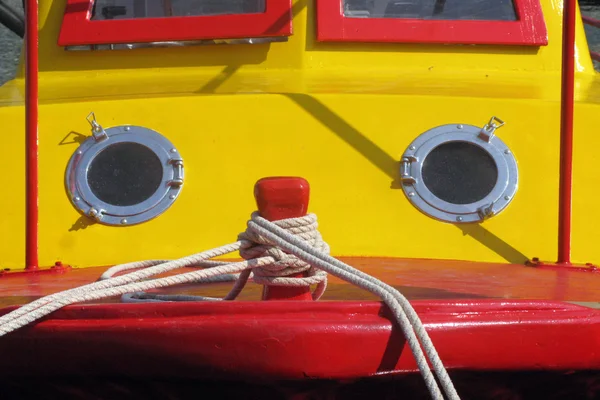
{"x": 124, "y": 175}
{"x": 460, "y": 173}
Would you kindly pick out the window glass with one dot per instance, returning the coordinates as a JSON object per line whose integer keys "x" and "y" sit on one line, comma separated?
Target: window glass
{"x": 129, "y": 9}
{"x": 460, "y": 172}
{"x": 125, "y": 174}
{"x": 492, "y": 10}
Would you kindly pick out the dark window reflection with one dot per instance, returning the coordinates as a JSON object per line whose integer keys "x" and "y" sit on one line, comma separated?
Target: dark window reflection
{"x": 125, "y": 174}
{"x": 459, "y": 172}
{"x": 131, "y": 9}
{"x": 491, "y": 10}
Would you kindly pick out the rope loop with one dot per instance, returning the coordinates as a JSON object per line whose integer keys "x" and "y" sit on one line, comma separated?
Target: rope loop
{"x": 271, "y": 252}
{"x": 279, "y": 273}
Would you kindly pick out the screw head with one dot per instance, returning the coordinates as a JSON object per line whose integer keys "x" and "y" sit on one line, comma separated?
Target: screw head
{"x": 412, "y": 147}
{"x": 411, "y": 194}
{"x": 124, "y": 221}
{"x": 77, "y": 198}
{"x": 459, "y": 126}
{"x": 507, "y": 151}
{"x": 127, "y": 128}
{"x": 506, "y": 197}
{"x": 79, "y": 152}
{"x": 459, "y": 219}
{"x": 173, "y": 150}
{"x": 172, "y": 197}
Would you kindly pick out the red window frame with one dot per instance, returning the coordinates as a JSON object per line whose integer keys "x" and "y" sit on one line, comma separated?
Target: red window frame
{"x": 529, "y": 29}
{"x": 78, "y": 29}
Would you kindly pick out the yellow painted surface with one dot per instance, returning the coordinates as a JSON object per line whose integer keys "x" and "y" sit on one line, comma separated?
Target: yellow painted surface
{"x": 339, "y": 115}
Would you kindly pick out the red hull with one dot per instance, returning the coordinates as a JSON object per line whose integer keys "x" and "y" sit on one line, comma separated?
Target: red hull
{"x": 282, "y": 340}
{"x": 483, "y": 319}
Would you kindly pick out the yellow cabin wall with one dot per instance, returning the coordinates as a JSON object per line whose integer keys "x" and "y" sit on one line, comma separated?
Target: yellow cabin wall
{"x": 340, "y": 115}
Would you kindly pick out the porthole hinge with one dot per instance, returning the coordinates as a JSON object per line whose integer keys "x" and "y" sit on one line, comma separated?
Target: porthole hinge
{"x": 489, "y": 130}
{"x": 177, "y": 180}
{"x": 97, "y": 130}
{"x": 486, "y": 211}
{"x": 96, "y": 214}
{"x": 405, "y": 170}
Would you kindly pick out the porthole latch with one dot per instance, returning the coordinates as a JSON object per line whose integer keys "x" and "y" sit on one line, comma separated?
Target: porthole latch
{"x": 124, "y": 175}
{"x": 177, "y": 180}
{"x": 98, "y": 131}
{"x": 486, "y": 211}
{"x": 460, "y": 173}
{"x": 96, "y": 214}
{"x": 489, "y": 130}
{"x": 405, "y": 170}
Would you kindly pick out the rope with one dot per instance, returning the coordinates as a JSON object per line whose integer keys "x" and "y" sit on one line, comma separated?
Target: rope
{"x": 272, "y": 251}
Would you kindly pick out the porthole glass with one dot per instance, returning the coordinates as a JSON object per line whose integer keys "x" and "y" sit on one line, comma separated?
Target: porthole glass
{"x": 460, "y": 173}
{"x": 124, "y": 175}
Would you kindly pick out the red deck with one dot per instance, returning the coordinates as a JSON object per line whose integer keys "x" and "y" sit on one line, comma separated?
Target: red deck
{"x": 416, "y": 279}
{"x": 481, "y": 317}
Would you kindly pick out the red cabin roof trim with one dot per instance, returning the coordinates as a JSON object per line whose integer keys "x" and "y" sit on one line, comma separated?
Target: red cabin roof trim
{"x": 78, "y": 28}
{"x": 529, "y": 29}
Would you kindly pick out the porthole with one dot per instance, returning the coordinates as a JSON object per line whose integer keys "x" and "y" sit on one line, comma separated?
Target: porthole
{"x": 124, "y": 175}
{"x": 460, "y": 173}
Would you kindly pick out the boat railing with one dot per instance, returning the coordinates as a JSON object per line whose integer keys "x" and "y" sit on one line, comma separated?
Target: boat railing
{"x": 596, "y": 24}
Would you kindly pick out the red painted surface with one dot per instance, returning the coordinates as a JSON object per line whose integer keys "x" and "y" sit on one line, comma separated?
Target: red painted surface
{"x": 481, "y": 317}
{"x": 31, "y": 129}
{"x": 588, "y": 267}
{"x": 530, "y": 29}
{"x": 78, "y": 29}
{"x": 271, "y": 340}
{"x": 566, "y": 132}
{"x": 280, "y": 198}
{"x": 57, "y": 268}
{"x": 417, "y": 279}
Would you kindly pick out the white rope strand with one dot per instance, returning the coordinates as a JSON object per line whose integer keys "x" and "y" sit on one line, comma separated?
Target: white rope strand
{"x": 337, "y": 268}
{"x": 272, "y": 252}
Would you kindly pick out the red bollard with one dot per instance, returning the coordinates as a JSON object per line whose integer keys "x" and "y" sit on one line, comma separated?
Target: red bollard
{"x": 280, "y": 198}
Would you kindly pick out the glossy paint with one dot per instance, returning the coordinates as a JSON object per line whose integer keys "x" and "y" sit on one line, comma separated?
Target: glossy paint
{"x": 482, "y": 317}
{"x": 280, "y": 198}
{"x": 270, "y": 340}
{"x": 529, "y": 29}
{"x": 31, "y": 135}
{"x": 78, "y": 29}
{"x": 566, "y": 133}
{"x": 338, "y": 114}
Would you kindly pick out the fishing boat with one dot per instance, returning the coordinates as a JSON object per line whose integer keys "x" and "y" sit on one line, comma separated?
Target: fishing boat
{"x": 448, "y": 149}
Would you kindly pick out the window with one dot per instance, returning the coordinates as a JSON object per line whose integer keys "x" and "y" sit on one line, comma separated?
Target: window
{"x": 124, "y": 175}
{"x": 496, "y": 10}
{"x": 130, "y": 9}
{"x": 508, "y": 22}
{"x": 460, "y": 173}
{"x": 97, "y": 22}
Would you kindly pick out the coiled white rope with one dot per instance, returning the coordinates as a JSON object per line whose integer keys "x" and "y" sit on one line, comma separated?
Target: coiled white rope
{"x": 272, "y": 251}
